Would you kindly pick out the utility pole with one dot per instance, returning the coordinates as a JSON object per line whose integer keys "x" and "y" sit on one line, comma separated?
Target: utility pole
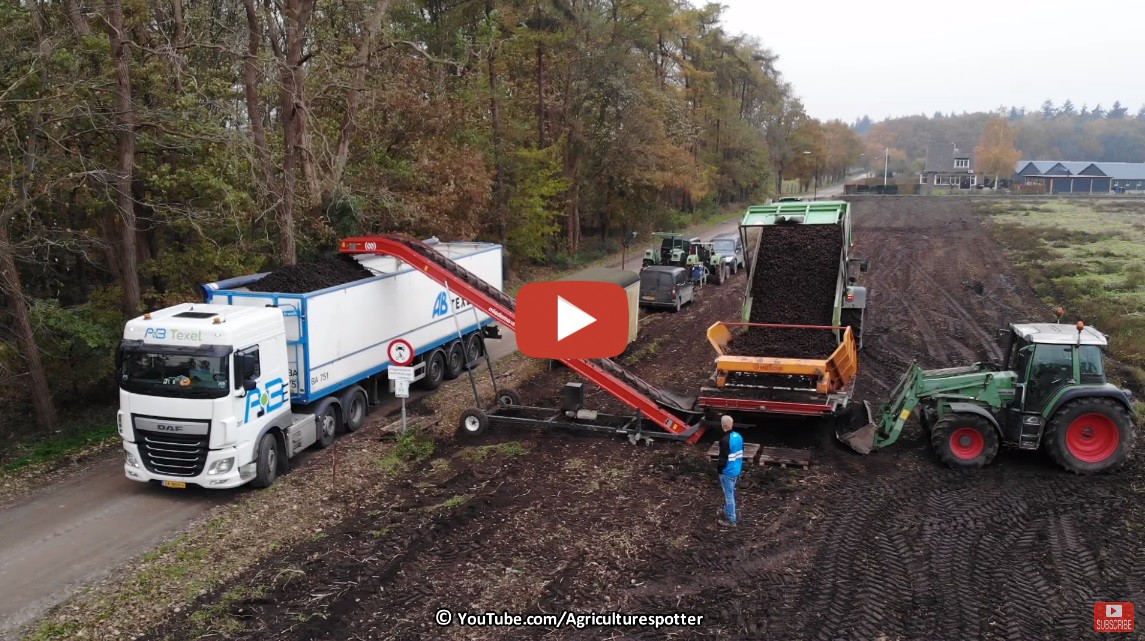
{"x": 886, "y": 165}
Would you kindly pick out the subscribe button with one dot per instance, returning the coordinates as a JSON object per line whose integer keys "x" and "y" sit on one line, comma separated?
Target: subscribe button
{"x": 572, "y": 319}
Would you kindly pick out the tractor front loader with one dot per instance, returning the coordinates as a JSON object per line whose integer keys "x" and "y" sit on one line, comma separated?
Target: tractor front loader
{"x": 1049, "y": 392}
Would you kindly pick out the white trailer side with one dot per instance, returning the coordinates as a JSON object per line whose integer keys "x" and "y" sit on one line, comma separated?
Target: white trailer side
{"x": 339, "y": 336}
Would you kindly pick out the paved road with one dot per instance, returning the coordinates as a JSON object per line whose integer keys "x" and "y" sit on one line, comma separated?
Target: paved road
{"x": 58, "y": 539}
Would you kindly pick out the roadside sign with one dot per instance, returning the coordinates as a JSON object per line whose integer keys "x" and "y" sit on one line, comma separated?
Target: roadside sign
{"x": 401, "y": 389}
{"x": 400, "y": 352}
{"x": 402, "y": 374}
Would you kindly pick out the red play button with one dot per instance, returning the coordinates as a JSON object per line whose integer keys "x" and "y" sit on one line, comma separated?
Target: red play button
{"x": 572, "y": 319}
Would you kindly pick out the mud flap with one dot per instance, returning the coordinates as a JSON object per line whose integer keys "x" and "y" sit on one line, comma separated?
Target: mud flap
{"x": 861, "y": 440}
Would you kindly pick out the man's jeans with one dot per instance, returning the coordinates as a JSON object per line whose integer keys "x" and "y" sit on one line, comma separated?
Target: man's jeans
{"x": 728, "y": 482}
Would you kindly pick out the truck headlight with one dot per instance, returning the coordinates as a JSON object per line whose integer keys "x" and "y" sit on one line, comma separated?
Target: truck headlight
{"x": 130, "y": 459}
{"x": 222, "y": 466}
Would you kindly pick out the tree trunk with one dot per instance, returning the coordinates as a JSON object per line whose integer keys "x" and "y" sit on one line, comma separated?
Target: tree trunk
{"x": 78, "y": 21}
{"x": 125, "y": 156}
{"x": 500, "y": 209}
{"x": 253, "y": 107}
{"x": 541, "y": 141}
{"x": 361, "y": 60}
{"x": 43, "y": 409}
{"x": 42, "y": 406}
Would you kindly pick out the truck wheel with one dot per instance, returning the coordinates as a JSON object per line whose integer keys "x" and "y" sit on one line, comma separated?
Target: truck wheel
{"x": 964, "y": 440}
{"x": 266, "y": 465}
{"x": 356, "y": 408}
{"x": 473, "y": 423}
{"x": 454, "y": 360}
{"x": 326, "y": 423}
{"x": 507, "y": 397}
{"x": 1090, "y": 435}
{"x": 472, "y": 348}
{"x": 434, "y": 370}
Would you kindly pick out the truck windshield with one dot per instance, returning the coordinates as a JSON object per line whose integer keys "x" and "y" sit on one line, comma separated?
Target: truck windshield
{"x": 178, "y": 373}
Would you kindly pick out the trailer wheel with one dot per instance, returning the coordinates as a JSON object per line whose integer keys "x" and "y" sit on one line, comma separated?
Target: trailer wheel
{"x": 1090, "y": 435}
{"x": 472, "y": 349}
{"x": 326, "y": 423}
{"x": 356, "y": 408}
{"x": 454, "y": 360}
{"x": 434, "y": 370}
{"x": 473, "y": 422}
{"x": 507, "y": 397}
{"x": 266, "y": 465}
{"x": 964, "y": 440}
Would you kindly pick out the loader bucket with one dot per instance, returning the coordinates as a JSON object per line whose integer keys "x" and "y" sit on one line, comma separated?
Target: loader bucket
{"x": 861, "y": 440}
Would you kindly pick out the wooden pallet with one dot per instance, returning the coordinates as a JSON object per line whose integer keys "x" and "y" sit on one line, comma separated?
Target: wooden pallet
{"x": 750, "y": 451}
{"x": 785, "y": 456}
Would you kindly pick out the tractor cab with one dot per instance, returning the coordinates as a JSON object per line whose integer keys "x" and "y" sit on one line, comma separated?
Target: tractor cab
{"x": 1053, "y": 364}
{"x": 699, "y": 253}
{"x": 673, "y": 250}
{"x": 1048, "y": 357}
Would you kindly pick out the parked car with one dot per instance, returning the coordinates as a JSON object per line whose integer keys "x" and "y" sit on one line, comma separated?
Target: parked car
{"x": 790, "y": 199}
{"x": 730, "y": 246}
{"x": 665, "y": 286}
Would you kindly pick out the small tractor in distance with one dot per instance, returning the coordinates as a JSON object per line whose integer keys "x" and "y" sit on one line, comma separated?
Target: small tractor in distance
{"x": 1050, "y": 391}
{"x": 677, "y": 250}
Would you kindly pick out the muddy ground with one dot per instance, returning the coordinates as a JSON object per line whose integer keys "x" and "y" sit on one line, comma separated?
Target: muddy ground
{"x": 888, "y": 546}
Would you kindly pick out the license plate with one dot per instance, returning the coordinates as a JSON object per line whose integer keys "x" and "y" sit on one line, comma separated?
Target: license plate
{"x": 648, "y": 297}
{"x": 175, "y": 484}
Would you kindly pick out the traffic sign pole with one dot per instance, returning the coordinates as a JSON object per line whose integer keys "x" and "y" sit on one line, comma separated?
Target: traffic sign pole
{"x": 401, "y": 357}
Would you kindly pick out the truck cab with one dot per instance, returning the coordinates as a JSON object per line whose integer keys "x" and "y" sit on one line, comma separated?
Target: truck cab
{"x": 199, "y": 385}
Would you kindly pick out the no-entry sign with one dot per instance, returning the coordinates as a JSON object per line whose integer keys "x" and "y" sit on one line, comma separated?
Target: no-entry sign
{"x": 400, "y": 352}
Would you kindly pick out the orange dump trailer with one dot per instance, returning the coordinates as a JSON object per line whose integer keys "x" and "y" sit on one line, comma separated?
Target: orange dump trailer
{"x": 777, "y": 384}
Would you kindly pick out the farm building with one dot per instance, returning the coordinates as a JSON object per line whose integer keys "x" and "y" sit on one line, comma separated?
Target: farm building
{"x": 1066, "y": 177}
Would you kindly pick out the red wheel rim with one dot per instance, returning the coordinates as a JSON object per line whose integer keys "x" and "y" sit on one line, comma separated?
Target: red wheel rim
{"x": 967, "y": 443}
{"x": 1092, "y": 438}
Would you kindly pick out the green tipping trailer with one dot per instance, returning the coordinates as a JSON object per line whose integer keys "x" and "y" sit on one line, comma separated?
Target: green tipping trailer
{"x": 850, "y": 299}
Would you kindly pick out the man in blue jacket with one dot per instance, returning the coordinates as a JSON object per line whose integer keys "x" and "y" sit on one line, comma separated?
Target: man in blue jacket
{"x": 729, "y": 466}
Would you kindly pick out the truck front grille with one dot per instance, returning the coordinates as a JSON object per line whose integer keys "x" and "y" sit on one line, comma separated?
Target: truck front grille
{"x": 173, "y": 454}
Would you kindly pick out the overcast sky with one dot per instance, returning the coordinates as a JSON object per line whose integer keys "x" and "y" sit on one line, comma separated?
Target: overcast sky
{"x": 899, "y": 57}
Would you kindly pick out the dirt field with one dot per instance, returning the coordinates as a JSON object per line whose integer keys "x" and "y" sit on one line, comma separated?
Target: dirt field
{"x": 889, "y": 546}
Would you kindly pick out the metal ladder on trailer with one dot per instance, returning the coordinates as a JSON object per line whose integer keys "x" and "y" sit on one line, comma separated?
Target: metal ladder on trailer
{"x": 653, "y": 404}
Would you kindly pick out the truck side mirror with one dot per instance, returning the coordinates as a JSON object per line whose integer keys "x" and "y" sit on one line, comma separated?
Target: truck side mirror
{"x": 244, "y": 370}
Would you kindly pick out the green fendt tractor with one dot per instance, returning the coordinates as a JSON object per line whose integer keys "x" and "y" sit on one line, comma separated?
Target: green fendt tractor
{"x": 680, "y": 251}
{"x": 1049, "y": 392}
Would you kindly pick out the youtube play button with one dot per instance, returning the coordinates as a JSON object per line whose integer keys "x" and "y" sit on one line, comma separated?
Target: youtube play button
{"x": 572, "y": 319}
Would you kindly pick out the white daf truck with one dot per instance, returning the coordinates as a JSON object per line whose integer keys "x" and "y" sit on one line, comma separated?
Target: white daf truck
{"x": 222, "y": 393}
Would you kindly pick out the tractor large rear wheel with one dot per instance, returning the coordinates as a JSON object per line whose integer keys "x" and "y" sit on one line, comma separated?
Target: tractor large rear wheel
{"x": 1090, "y": 435}
{"x": 965, "y": 440}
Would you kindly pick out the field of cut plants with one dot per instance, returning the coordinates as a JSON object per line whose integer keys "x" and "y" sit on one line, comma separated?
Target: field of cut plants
{"x": 891, "y": 546}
